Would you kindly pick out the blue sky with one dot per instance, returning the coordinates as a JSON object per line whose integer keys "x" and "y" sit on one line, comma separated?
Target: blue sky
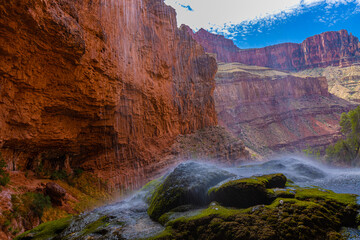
{"x": 259, "y": 23}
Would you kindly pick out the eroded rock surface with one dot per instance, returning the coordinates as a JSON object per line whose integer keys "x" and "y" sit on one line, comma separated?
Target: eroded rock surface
{"x": 102, "y": 85}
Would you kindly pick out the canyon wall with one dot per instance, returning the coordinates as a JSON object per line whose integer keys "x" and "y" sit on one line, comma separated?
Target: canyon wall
{"x": 337, "y": 48}
{"x": 98, "y": 84}
{"x": 344, "y": 82}
{"x": 274, "y": 111}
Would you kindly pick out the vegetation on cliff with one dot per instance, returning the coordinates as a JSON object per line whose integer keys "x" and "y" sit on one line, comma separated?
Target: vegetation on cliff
{"x": 4, "y": 175}
{"x": 347, "y": 150}
{"x": 33, "y": 202}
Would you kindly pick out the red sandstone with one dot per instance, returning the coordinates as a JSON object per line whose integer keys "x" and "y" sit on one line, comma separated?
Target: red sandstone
{"x": 102, "y": 85}
{"x": 337, "y": 48}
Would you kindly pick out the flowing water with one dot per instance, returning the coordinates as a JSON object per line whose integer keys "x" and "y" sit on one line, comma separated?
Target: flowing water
{"x": 131, "y": 214}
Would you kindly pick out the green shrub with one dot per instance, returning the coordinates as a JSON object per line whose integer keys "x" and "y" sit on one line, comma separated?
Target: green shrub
{"x": 32, "y": 202}
{"x": 312, "y": 152}
{"x": 59, "y": 175}
{"x": 4, "y": 176}
{"x": 39, "y": 203}
{"x": 347, "y": 150}
{"x": 78, "y": 172}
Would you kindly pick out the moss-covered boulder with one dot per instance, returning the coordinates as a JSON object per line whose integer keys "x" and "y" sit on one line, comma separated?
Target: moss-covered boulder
{"x": 243, "y": 193}
{"x": 313, "y": 213}
{"x": 277, "y": 180}
{"x": 49, "y": 230}
{"x": 187, "y": 184}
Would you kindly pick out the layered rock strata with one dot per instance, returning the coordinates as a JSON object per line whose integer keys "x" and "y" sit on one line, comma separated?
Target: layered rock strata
{"x": 343, "y": 82}
{"x": 274, "y": 111}
{"x": 101, "y": 85}
{"x": 336, "y": 48}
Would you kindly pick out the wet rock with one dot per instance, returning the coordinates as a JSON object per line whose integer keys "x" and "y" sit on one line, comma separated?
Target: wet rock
{"x": 240, "y": 193}
{"x": 243, "y": 193}
{"x": 275, "y": 180}
{"x": 313, "y": 214}
{"x": 308, "y": 171}
{"x": 55, "y": 192}
{"x": 187, "y": 184}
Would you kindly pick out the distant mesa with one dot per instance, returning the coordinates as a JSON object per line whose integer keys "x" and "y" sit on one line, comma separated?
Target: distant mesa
{"x": 336, "y": 48}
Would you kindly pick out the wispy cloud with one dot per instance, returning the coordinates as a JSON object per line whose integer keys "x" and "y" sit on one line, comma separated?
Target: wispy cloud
{"x": 220, "y": 15}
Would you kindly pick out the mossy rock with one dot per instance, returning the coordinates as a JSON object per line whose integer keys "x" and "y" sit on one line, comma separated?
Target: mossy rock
{"x": 187, "y": 184}
{"x": 151, "y": 187}
{"x": 284, "y": 193}
{"x": 45, "y": 231}
{"x": 277, "y": 180}
{"x": 243, "y": 193}
{"x": 312, "y": 214}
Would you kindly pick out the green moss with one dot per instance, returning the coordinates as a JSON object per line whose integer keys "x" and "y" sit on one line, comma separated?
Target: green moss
{"x": 94, "y": 226}
{"x": 47, "y": 230}
{"x": 163, "y": 200}
{"x": 267, "y": 181}
{"x": 246, "y": 192}
{"x": 151, "y": 187}
{"x": 322, "y": 194}
{"x": 313, "y": 214}
{"x": 216, "y": 210}
{"x": 284, "y": 193}
{"x": 166, "y": 234}
{"x": 291, "y": 213}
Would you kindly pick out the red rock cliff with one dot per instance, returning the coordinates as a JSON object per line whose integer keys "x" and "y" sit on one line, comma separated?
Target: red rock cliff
{"x": 326, "y": 49}
{"x": 275, "y": 111}
{"x": 105, "y": 85}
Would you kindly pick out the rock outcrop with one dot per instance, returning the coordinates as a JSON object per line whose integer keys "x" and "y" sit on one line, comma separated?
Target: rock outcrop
{"x": 55, "y": 192}
{"x": 336, "y": 48}
{"x": 344, "y": 82}
{"x": 102, "y": 85}
{"x": 275, "y": 111}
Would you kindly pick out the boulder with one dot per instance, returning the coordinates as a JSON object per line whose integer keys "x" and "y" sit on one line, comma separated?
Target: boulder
{"x": 187, "y": 184}
{"x": 246, "y": 192}
{"x": 55, "y": 192}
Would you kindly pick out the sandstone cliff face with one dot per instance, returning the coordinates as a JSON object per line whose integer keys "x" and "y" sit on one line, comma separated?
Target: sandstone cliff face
{"x": 326, "y": 49}
{"x": 102, "y": 85}
{"x": 344, "y": 82}
{"x": 273, "y": 111}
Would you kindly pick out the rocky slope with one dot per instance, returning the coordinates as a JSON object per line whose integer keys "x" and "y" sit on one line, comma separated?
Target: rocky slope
{"x": 337, "y": 48}
{"x": 343, "y": 82}
{"x": 79, "y": 87}
{"x": 277, "y": 111}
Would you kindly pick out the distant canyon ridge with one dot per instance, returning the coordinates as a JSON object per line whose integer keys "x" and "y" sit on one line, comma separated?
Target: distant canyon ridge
{"x": 286, "y": 97}
{"x": 335, "y": 48}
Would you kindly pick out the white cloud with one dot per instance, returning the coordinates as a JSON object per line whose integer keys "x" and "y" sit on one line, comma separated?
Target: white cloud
{"x": 218, "y": 13}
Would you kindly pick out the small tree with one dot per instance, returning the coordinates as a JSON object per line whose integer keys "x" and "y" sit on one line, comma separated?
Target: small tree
{"x": 347, "y": 150}
{"x": 4, "y": 175}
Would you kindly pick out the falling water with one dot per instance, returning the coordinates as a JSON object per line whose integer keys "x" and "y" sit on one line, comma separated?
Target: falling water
{"x": 135, "y": 223}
